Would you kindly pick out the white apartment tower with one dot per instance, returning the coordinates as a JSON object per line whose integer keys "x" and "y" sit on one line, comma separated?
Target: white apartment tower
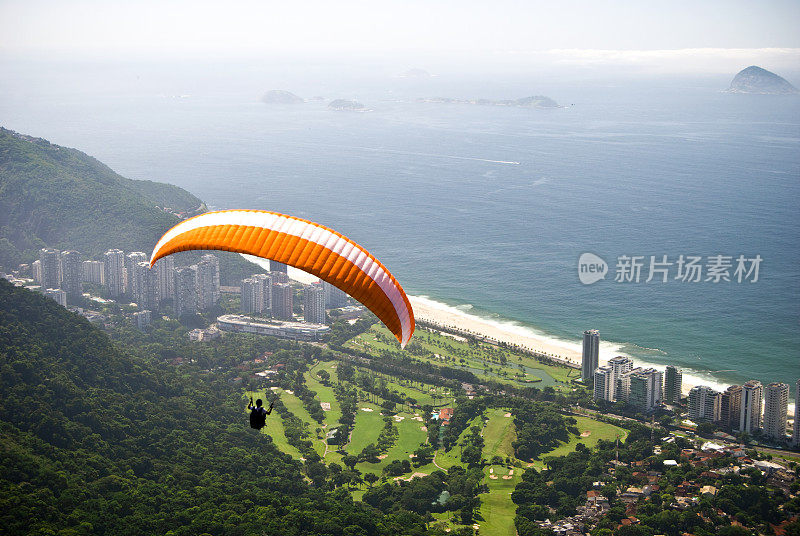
{"x": 750, "y": 413}
{"x": 604, "y": 383}
{"x": 114, "y": 268}
{"x": 776, "y": 405}
{"x": 314, "y": 303}
{"x": 164, "y": 267}
{"x": 207, "y": 282}
{"x": 185, "y": 299}
{"x": 591, "y": 354}
{"x": 131, "y": 260}
{"x": 704, "y": 403}
{"x": 71, "y": 273}
{"x": 49, "y": 261}
{"x": 252, "y": 294}
{"x": 93, "y": 272}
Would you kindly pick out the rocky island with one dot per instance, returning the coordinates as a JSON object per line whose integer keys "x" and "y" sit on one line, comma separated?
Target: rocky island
{"x": 760, "y": 81}
{"x": 347, "y": 106}
{"x": 279, "y": 96}
{"x": 536, "y": 101}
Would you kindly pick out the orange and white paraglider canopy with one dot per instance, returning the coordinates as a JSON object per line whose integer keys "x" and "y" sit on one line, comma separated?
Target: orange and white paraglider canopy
{"x": 305, "y": 245}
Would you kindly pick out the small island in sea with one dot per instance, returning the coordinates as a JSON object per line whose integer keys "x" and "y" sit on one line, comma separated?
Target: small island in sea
{"x": 279, "y": 96}
{"x": 536, "y": 101}
{"x": 754, "y": 79}
{"x": 347, "y": 106}
{"x": 416, "y": 73}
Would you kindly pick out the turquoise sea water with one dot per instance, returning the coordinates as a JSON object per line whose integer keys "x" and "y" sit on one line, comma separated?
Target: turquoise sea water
{"x": 489, "y": 208}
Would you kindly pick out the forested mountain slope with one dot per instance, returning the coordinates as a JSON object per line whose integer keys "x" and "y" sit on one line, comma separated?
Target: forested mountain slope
{"x": 60, "y": 197}
{"x": 93, "y": 441}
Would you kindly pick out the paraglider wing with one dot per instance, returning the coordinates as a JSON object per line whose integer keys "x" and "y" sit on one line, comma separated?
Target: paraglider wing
{"x": 305, "y": 245}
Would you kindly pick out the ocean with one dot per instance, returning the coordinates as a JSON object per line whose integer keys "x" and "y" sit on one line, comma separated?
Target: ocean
{"x": 486, "y": 208}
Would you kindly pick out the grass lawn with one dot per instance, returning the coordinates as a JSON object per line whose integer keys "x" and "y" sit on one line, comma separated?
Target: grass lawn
{"x": 325, "y": 393}
{"x": 475, "y": 356}
{"x": 597, "y": 430}
{"x": 410, "y": 438}
{"x": 366, "y": 429}
{"x": 498, "y": 434}
{"x": 274, "y": 428}
{"x": 497, "y": 509}
{"x": 295, "y": 405}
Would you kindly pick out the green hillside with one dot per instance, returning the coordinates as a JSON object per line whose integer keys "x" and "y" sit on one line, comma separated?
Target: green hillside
{"x": 60, "y": 197}
{"x": 94, "y": 441}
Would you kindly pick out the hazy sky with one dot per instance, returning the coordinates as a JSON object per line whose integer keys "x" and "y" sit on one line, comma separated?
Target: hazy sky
{"x": 570, "y": 31}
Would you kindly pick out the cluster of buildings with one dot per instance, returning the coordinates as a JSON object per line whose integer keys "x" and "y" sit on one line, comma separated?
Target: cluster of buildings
{"x": 190, "y": 289}
{"x": 750, "y": 407}
{"x": 746, "y": 408}
{"x": 271, "y": 294}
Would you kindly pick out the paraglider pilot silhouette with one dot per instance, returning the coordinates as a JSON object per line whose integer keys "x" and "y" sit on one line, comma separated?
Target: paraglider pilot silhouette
{"x": 258, "y": 415}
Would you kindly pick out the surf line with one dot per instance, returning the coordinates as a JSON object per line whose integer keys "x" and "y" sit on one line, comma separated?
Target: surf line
{"x": 433, "y": 155}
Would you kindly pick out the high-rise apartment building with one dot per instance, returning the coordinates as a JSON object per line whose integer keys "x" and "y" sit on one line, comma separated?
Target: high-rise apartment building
{"x": 275, "y": 266}
{"x": 207, "y": 282}
{"x": 93, "y": 272}
{"x": 334, "y": 296}
{"x": 750, "y": 412}
{"x": 252, "y": 294}
{"x": 131, "y": 260}
{"x": 282, "y": 301}
{"x": 279, "y": 277}
{"x": 185, "y": 298}
{"x": 49, "y": 261}
{"x": 730, "y": 407}
{"x": 114, "y": 272}
{"x": 776, "y": 406}
{"x": 314, "y": 303}
{"x": 604, "y": 383}
{"x": 644, "y": 388}
{"x": 704, "y": 404}
{"x": 71, "y": 274}
{"x": 266, "y": 291}
{"x": 165, "y": 267}
{"x": 673, "y": 383}
{"x": 591, "y": 354}
{"x": 145, "y": 283}
{"x": 36, "y": 270}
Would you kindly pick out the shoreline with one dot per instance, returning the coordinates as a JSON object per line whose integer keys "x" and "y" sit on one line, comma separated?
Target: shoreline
{"x": 513, "y": 333}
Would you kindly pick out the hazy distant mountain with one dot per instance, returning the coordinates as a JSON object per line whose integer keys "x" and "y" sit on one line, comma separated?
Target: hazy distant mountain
{"x": 279, "y": 96}
{"x": 346, "y": 105}
{"x": 536, "y": 101}
{"x": 757, "y": 80}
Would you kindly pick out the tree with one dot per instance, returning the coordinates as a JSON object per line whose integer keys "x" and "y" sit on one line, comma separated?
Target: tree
{"x": 324, "y": 377}
{"x": 371, "y": 478}
{"x": 350, "y": 461}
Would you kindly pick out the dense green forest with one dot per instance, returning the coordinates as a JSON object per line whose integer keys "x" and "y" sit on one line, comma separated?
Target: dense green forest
{"x": 96, "y": 439}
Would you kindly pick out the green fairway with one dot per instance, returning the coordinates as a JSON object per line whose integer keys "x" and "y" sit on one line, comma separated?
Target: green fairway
{"x": 295, "y": 405}
{"x": 410, "y": 438}
{"x": 441, "y": 349}
{"x": 325, "y": 393}
{"x": 497, "y": 509}
{"x": 368, "y": 426}
{"x": 596, "y": 431}
{"x": 274, "y": 427}
{"x": 498, "y": 434}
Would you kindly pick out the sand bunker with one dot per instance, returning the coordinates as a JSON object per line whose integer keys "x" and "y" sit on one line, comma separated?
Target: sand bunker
{"x": 398, "y": 418}
{"x": 587, "y": 433}
{"x": 326, "y": 406}
{"x": 507, "y": 415}
{"x": 417, "y": 418}
{"x": 383, "y": 456}
{"x": 493, "y": 477}
{"x": 274, "y": 388}
{"x": 288, "y": 392}
{"x": 491, "y": 470}
{"x": 423, "y": 428}
{"x": 367, "y": 409}
{"x": 507, "y": 477}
